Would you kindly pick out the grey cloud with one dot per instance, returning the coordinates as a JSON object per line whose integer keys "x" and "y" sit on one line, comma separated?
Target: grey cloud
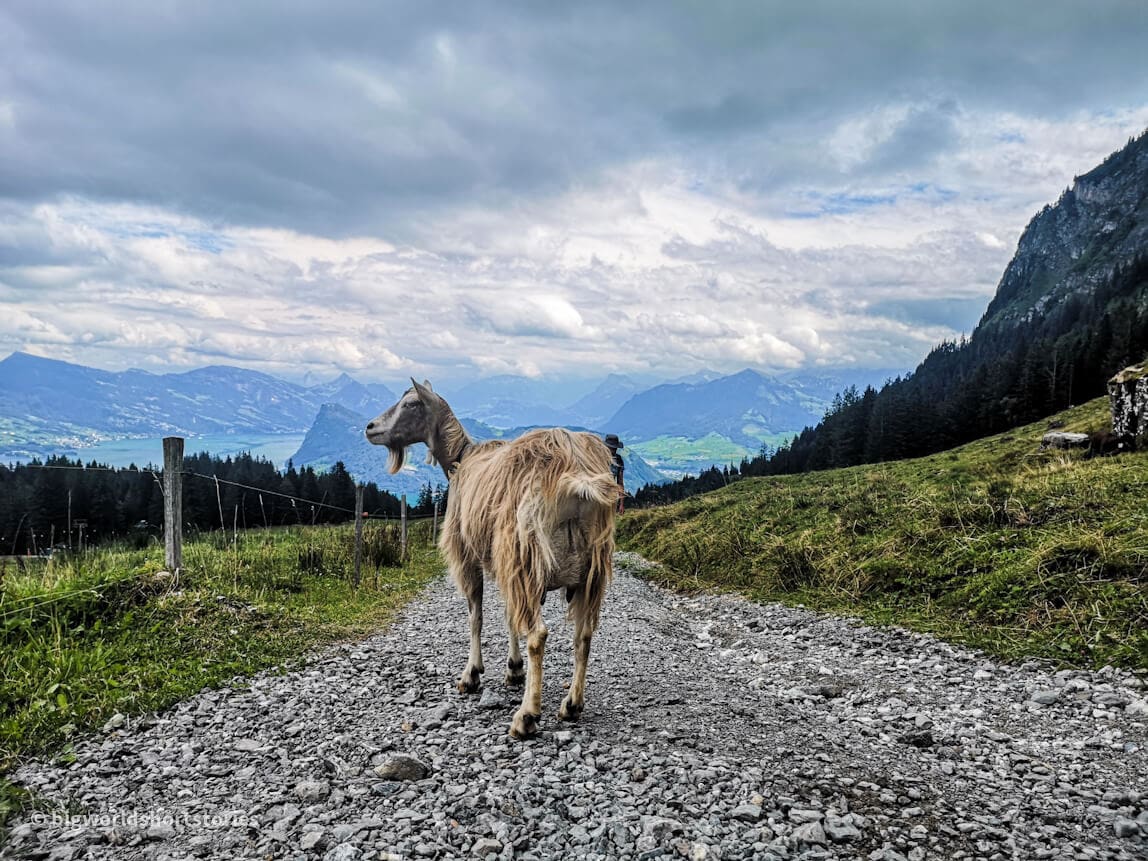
{"x": 354, "y": 117}
{"x": 961, "y": 314}
{"x": 924, "y": 133}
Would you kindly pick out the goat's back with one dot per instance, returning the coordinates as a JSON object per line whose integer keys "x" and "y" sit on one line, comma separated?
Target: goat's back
{"x": 511, "y": 502}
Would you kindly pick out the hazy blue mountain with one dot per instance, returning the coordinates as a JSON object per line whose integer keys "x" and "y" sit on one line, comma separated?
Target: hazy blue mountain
{"x": 705, "y": 375}
{"x": 46, "y": 403}
{"x": 348, "y": 392}
{"x": 745, "y": 407}
{"x": 595, "y": 408}
{"x": 48, "y": 406}
{"x": 512, "y": 401}
{"x": 337, "y": 435}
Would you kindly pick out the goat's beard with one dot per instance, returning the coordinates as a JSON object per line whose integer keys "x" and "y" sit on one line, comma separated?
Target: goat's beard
{"x": 395, "y": 458}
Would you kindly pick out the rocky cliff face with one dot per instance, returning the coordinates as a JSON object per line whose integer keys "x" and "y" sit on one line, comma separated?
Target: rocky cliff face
{"x": 1073, "y": 246}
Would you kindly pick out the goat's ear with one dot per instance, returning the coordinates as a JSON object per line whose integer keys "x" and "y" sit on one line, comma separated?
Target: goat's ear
{"x": 426, "y": 395}
{"x": 428, "y": 385}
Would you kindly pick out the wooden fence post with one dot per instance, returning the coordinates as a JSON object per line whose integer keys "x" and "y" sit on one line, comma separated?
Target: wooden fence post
{"x": 173, "y": 503}
{"x": 358, "y": 533}
{"x": 403, "y": 515}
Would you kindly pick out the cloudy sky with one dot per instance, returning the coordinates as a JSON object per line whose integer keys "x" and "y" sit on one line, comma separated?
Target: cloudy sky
{"x": 462, "y": 189}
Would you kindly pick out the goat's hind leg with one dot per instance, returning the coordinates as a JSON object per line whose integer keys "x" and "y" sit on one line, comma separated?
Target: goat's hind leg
{"x": 471, "y": 585}
{"x": 571, "y": 708}
{"x": 525, "y": 723}
{"x": 515, "y": 669}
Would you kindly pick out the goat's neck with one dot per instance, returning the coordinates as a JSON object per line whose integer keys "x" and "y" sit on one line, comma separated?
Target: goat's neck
{"x": 447, "y": 442}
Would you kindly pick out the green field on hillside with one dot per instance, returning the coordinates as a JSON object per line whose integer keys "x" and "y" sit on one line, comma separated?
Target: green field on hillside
{"x": 997, "y": 544}
{"x": 675, "y": 454}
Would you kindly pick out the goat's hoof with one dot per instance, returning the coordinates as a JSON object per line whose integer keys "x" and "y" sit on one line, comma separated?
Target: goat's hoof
{"x": 570, "y": 710}
{"x": 515, "y": 674}
{"x": 524, "y": 725}
{"x": 469, "y": 682}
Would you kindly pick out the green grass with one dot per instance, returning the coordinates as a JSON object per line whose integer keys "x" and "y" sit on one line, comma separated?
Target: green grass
{"x": 995, "y": 544}
{"x": 85, "y": 637}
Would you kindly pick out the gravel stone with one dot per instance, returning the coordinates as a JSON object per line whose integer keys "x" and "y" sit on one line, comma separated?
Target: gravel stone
{"x": 810, "y": 834}
{"x": 403, "y": 767}
{"x": 486, "y": 847}
{"x": 713, "y": 728}
{"x": 312, "y": 840}
{"x": 312, "y": 790}
{"x": 1125, "y": 827}
{"x": 840, "y": 831}
{"x": 746, "y": 812}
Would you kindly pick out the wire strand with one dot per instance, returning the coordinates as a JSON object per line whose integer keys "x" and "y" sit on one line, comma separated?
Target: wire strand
{"x": 350, "y": 511}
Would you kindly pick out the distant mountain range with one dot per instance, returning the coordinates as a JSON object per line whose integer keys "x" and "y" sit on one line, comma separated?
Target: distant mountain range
{"x": 49, "y": 406}
{"x": 45, "y": 402}
{"x": 746, "y": 408}
{"x": 337, "y": 435}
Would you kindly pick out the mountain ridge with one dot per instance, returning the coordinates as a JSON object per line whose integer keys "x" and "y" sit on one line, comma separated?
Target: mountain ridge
{"x": 337, "y": 435}
{"x": 1099, "y": 223}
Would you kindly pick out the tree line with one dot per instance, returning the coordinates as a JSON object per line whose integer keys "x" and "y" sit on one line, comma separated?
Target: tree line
{"x": 1002, "y": 377}
{"x": 40, "y": 498}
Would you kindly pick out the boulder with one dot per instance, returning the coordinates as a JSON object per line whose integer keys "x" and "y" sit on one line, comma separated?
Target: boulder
{"x": 1063, "y": 439}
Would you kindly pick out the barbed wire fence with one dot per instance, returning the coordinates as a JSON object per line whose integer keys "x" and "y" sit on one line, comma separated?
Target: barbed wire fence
{"x": 171, "y": 479}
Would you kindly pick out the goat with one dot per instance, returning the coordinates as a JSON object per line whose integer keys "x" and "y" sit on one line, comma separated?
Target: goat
{"x": 536, "y": 514}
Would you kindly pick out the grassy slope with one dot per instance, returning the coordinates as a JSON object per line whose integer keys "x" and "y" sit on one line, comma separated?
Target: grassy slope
{"x": 996, "y": 544}
{"x": 81, "y": 640}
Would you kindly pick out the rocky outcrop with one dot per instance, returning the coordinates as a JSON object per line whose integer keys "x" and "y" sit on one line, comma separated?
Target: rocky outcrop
{"x": 1128, "y": 396}
{"x": 1070, "y": 248}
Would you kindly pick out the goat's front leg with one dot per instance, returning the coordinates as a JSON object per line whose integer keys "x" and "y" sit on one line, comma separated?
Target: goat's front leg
{"x": 571, "y": 707}
{"x": 468, "y": 682}
{"x": 525, "y": 723}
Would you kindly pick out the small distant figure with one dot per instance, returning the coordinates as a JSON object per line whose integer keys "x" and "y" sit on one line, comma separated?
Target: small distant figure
{"x": 617, "y": 467}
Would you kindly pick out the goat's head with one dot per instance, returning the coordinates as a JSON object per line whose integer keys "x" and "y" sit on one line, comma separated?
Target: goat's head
{"x": 411, "y": 420}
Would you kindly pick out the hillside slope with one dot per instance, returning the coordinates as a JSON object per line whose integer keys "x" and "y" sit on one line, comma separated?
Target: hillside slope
{"x": 1020, "y": 551}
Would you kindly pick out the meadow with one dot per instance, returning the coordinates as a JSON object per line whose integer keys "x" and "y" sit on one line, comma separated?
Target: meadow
{"x": 1020, "y": 551}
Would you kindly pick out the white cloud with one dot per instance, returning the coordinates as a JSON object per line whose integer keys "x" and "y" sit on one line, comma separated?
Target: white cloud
{"x": 519, "y": 190}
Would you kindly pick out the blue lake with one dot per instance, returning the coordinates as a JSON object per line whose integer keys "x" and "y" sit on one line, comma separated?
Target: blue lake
{"x": 122, "y": 452}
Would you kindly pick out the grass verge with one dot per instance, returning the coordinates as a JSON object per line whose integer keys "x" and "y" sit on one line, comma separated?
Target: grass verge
{"x": 1017, "y": 551}
{"x": 88, "y": 636}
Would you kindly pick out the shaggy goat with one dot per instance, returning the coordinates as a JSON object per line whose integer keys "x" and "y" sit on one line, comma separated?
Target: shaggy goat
{"x": 536, "y": 514}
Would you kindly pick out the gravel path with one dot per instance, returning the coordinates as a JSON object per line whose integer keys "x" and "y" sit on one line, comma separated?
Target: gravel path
{"x": 714, "y": 728}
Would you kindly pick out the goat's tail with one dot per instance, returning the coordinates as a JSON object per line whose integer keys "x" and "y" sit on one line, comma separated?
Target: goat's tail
{"x": 600, "y": 489}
